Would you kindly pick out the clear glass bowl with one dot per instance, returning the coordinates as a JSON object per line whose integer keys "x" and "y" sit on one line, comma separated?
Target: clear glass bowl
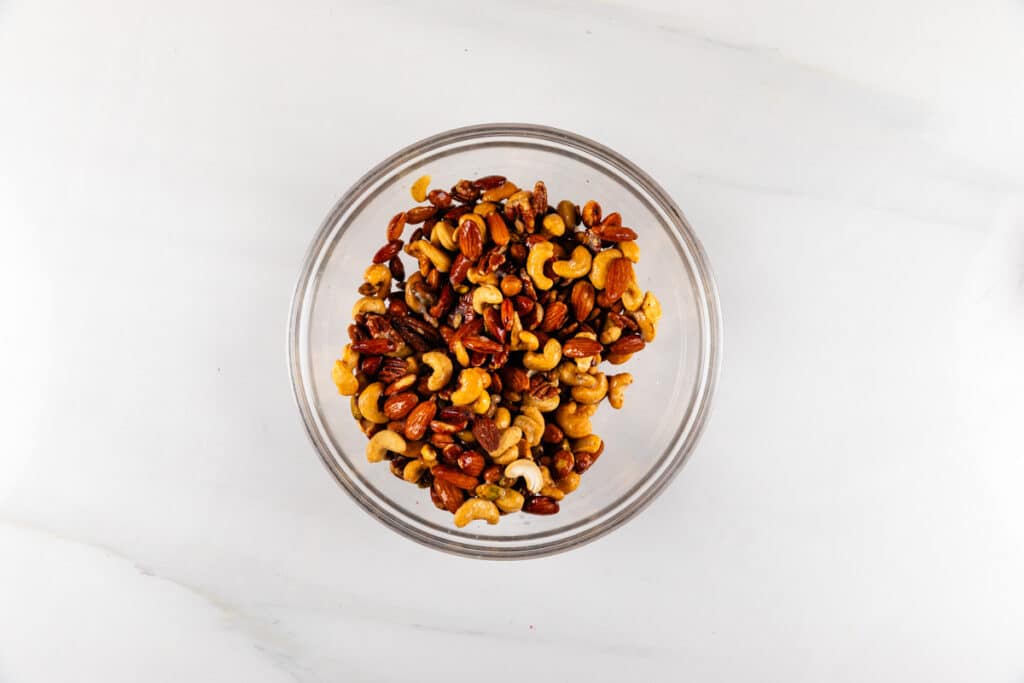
{"x": 646, "y": 443}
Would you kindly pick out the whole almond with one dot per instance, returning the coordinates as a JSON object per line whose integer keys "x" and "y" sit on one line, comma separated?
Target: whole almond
{"x": 401, "y": 384}
{"x": 454, "y": 476}
{"x": 489, "y": 182}
{"x": 470, "y": 241}
{"x": 418, "y": 420}
{"x": 486, "y": 432}
{"x": 446, "y": 495}
{"x": 388, "y": 251}
{"x": 400, "y": 405}
{"x": 582, "y": 299}
{"x": 439, "y": 198}
{"x": 554, "y": 316}
{"x": 540, "y": 505}
{"x": 472, "y": 463}
{"x": 615, "y": 233}
{"x": 581, "y": 347}
{"x": 629, "y": 344}
{"x": 620, "y": 274}
{"x": 515, "y": 378}
{"x": 418, "y": 214}
{"x": 498, "y": 229}
{"x": 395, "y": 226}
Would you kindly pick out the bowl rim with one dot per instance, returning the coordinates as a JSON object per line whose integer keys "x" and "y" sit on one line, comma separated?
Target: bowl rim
{"x": 709, "y": 367}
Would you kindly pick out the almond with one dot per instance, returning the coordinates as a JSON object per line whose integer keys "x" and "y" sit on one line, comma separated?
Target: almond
{"x": 396, "y": 226}
{"x": 581, "y": 347}
{"x": 388, "y": 252}
{"x": 470, "y": 240}
{"x": 374, "y": 347}
{"x": 620, "y": 274}
{"x": 554, "y": 316}
{"x": 540, "y": 505}
{"x": 419, "y": 419}
{"x": 472, "y": 463}
{"x": 453, "y": 476}
{"x": 628, "y": 344}
{"x": 498, "y": 228}
{"x": 582, "y": 299}
{"x": 400, "y": 405}
{"x": 446, "y": 495}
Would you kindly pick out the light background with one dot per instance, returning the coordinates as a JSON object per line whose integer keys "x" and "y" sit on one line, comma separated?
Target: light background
{"x": 854, "y": 511}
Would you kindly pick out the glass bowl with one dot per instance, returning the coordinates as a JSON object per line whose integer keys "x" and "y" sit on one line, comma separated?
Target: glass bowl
{"x": 646, "y": 442}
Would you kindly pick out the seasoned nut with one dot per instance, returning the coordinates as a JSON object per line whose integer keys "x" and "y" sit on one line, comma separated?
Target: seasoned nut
{"x": 553, "y": 225}
{"x": 439, "y": 198}
{"x": 425, "y": 252}
{"x": 591, "y": 394}
{"x": 563, "y": 463}
{"x": 472, "y": 463}
{"x": 617, "y": 388}
{"x": 630, "y": 250}
{"x": 470, "y": 239}
{"x": 419, "y": 188}
{"x": 599, "y": 266}
{"x": 574, "y": 419}
{"x": 419, "y": 419}
{"x": 528, "y": 470}
{"x": 496, "y": 194}
{"x": 510, "y": 501}
{"x": 631, "y": 343}
{"x": 485, "y": 294}
{"x": 485, "y": 431}
{"x": 369, "y": 403}
{"x": 366, "y": 305}
{"x": 569, "y": 483}
{"x": 540, "y": 505}
{"x": 476, "y": 508}
{"x": 581, "y": 347}
{"x": 343, "y": 378}
{"x": 590, "y": 442}
{"x": 584, "y": 460}
{"x": 615, "y": 233}
{"x": 544, "y": 361}
{"x": 489, "y": 182}
{"x": 388, "y": 252}
{"x": 554, "y": 317}
{"x": 472, "y": 381}
{"x": 382, "y": 442}
{"x": 498, "y": 229}
{"x": 619, "y": 276}
{"x": 591, "y": 213}
{"x": 446, "y": 495}
{"x": 414, "y": 469}
{"x": 441, "y": 366}
{"x": 539, "y": 254}
{"x": 577, "y": 266}
{"x": 552, "y": 434}
{"x": 398, "y": 406}
{"x": 396, "y": 226}
{"x": 511, "y": 285}
{"x": 454, "y": 476}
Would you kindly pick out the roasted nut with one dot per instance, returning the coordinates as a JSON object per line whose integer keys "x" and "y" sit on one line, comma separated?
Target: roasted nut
{"x": 539, "y": 254}
{"x": 574, "y": 419}
{"x": 528, "y": 470}
{"x": 472, "y": 382}
{"x": 472, "y": 463}
{"x": 577, "y": 266}
{"x": 419, "y": 419}
{"x": 633, "y": 297}
{"x": 591, "y": 213}
{"x": 552, "y": 434}
{"x": 342, "y": 372}
{"x": 482, "y": 404}
{"x": 584, "y": 460}
{"x": 443, "y": 235}
{"x": 446, "y": 495}
{"x": 555, "y": 316}
{"x": 399, "y": 405}
{"x": 553, "y": 225}
{"x": 396, "y": 226}
{"x": 454, "y": 476}
{"x": 581, "y": 347}
{"x": 419, "y": 188}
{"x": 496, "y": 194}
{"x": 531, "y": 422}
{"x": 540, "y": 505}
{"x": 486, "y": 432}
{"x": 545, "y": 361}
{"x": 368, "y": 304}
{"x": 570, "y": 375}
{"x": 502, "y": 418}
{"x": 511, "y": 285}
{"x": 563, "y": 463}
{"x": 441, "y": 365}
{"x": 382, "y": 442}
{"x": 476, "y": 508}
{"x": 590, "y": 442}
{"x": 369, "y": 399}
{"x": 630, "y": 250}
{"x": 591, "y": 394}
{"x": 414, "y": 469}
{"x": 508, "y": 440}
{"x": 498, "y": 229}
{"x": 378, "y": 276}
{"x": 510, "y": 501}
{"x": 424, "y": 251}
{"x": 618, "y": 278}
{"x": 485, "y": 294}
{"x": 470, "y": 237}
{"x": 617, "y": 388}
{"x": 599, "y": 266}
{"x": 631, "y": 343}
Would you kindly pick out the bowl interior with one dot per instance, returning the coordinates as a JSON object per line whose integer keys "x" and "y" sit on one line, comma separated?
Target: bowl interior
{"x": 645, "y": 442}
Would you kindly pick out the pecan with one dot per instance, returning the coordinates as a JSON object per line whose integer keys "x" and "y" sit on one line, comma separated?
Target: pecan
{"x": 440, "y": 427}
{"x": 554, "y": 316}
{"x": 356, "y": 333}
{"x": 446, "y": 495}
{"x": 445, "y": 301}
{"x": 485, "y": 432}
{"x": 582, "y": 299}
{"x": 428, "y": 332}
{"x": 540, "y": 505}
{"x": 539, "y": 200}
{"x": 400, "y": 385}
{"x": 492, "y": 260}
{"x": 400, "y": 405}
{"x": 370, "y": 364}
{"x": 392, "y": 369}
{"x": 374, "y": 346}
{"x": 388, "y": 251}
{"x": 543, "y": 391}
{"x": 454, "y": 476}
{"x": 581, "y": 347}
{"x": 418, "y": 420}
{"x": 395, "y": 226}
{"x": 465, "y": 192}
{"x": 470, "y": 240}
{"x": 628, "y": 344}
{"x": 472, "y": 463}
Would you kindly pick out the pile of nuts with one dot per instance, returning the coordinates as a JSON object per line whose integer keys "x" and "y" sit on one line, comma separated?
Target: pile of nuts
{"x": 477, "y": 376}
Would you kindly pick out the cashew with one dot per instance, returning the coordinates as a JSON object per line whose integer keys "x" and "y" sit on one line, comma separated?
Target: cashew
{"x": 552, "y": 491}
{"x": 442, "y": 369}
{"x": 479, "y": 277}
{"x": 369, "y": 401}
{"x": 532, "y": 423}
{"x": 577, "y": 266}
{"x": 482, "y": 404}
{"x": 539, "y": 254}
{"x": 413, "y": 470}
{"x": 413, "y": 449}
{"x": 599, "y": 267}
{"x": 544, "y": 361}
{"x": 527, "y": 342}
{"x": 610, "y": 332}
{"x": 618, "y": 358}
{"x": 411, "y": 300}
{"x": 554, "y": 225}
{"x": 429, "y": 454}
{"x": 594, "y": 394}
{"x": 630, "y": 250}
{"x": 342, "y": 372}
{"x": 443, "y": 235}
{"x": 648, "y": 316}
{"x": 472, "y": 382}
{"x": 585, "y": 362}
{"x": 379, "y": 275}
{"x": 419, "y": 188}
{"x": 502, "y": 418}
{"x": 424, "y": 250}
{"x": 486, "y": 294}
{"x": 511, "y": 501}
{"x": 591, "y": 443}
{"x": 574, "y": 419}
{"x": 633, "y": 297}
{"x": 544, "y": 405}
{"x": 382, "y": 442}
{"x": 368, "y": 304}
{"x": 485, "y": 209}
{"x": 617, "y": 388}
{"x": 510, "y": 436}
{"x": 528, "y": 470}
{"x": 570, "y": 375}
{"x": 506, "y": 456}
{"x": 476, "y": 508}
{"x": 461, "y": 354}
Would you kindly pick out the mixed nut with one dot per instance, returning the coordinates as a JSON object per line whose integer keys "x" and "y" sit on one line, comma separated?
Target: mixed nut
{"x": 477, "y": 376}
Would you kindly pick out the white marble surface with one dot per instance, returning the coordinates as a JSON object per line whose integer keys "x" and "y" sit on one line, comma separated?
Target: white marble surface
{"x": 854, "y": 511}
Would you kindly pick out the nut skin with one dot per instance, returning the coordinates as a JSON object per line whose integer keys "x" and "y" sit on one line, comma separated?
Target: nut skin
{"x": 418, "y": 420}
{"x": 398, "y": 406}
{"x": 540, "y": 505}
